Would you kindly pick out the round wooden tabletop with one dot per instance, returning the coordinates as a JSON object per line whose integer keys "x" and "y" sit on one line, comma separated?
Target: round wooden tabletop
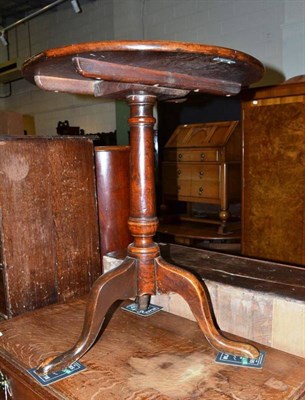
{"x": 167, "y": 69}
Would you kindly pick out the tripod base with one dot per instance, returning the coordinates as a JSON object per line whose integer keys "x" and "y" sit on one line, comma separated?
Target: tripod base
{"x": 120, "y": 284}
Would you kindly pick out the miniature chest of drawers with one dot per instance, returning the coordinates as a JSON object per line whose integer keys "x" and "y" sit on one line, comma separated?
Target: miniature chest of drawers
{"x": 202, "y": 165}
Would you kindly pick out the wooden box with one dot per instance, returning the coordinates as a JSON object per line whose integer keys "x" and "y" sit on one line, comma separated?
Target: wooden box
{"x": 202, "y": 165}
{"x": 49, "y": 227}
{"x": 159, "y": 357}
{"x": 274, "y": 173}
{"x": 11, "y": 123}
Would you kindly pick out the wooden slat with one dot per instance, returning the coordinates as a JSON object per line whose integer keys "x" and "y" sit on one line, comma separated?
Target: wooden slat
{"x": 133, "y": 74}
{"x": 272, "y": 277}
{"x": 259, "y": 275}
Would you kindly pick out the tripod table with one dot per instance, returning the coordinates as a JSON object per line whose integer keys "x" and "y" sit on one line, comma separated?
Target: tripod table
{"x": 142, "y": 72}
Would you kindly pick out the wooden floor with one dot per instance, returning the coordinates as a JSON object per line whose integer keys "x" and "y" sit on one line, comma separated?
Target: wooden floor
{"x": 162, "y": 357}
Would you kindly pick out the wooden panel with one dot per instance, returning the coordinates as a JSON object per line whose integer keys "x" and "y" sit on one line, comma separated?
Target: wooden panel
{"x": 233, "y": 181}
{"x": 193, "y": 155}
{"x": 49, "y": 220}
{"x": 206, "y": 172}
{"x": 11, "y": 123}
{"x": 112, "y": 172}
{"x": 19, "y": 387}
{"x": 273, "y": 101}
{"x": 296, "y": 89}
{"x": 205, "y": 189}
{"x": 259, "y": 275}
{"x": 274, "y": 180}
{"x": 161, "y": 357}
{"x": 29, "y": 124}
{"x": 210, "y": 134}
{"x": 2, "y": 285}
{"x": 183, "y": 171}
{"x": 2, "y": 294}
{"x": 288, "y": 331}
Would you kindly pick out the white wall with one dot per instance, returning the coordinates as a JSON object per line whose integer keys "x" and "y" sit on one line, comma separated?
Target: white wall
{"x": 271, "y": 30}
{"x": 53, "y": 29}
{"x": 294, "y": 38}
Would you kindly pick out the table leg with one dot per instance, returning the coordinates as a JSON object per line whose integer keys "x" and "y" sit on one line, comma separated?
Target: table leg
{"x": 171, "y": 278}
{"x": 116, "y": 284}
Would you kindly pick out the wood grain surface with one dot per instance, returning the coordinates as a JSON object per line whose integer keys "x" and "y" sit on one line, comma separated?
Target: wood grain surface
{"x": 274, "y": 179}
{"x": 269, "y": 296}
{"x": 170, "y": 69}
{"x": 113, "y": 186}
{"x": 162, "y": 357}
{"x": 49, "y": 229}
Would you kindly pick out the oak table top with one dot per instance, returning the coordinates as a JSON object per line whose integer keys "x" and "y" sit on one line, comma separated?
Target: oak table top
{"x": 166, "y": 69}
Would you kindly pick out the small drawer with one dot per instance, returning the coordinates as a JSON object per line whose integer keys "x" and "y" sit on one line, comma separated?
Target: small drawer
{"x": 205, "y": 190}
{"x": 183, "y": 155}
{"x": 203, "y": 155}
{"x": 205, "y": 172}
{"x": 176, "y": 171}
{"x": 176, "y": 188}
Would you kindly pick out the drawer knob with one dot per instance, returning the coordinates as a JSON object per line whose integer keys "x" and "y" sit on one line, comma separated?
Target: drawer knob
{"x": 180, "y": 155}
{"x": 200, "y": 190}
{"x": 201, "y": 173}
{"x": 202, "y": 157}
{"x": 5, "y": 386}
{"x": 179, "y": 172}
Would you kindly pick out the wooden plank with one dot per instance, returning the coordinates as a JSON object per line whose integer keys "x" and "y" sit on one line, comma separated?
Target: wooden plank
{"x": 288, "y": 331}
{"x": 291, "y": 89}
{"x": 259, "y": 275}
{"x": 113, "y": 185}
{"x": 160, "y": 357}
{"x": 274, "y": 179}
{"x": 265, "y": 276}
{"x": 108, "y": 71}
{"x": 195, "y": 230}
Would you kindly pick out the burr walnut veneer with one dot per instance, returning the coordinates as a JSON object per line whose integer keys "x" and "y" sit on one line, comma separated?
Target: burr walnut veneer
{"x": 141, "y": 72}
{"x": 274, "y": 173}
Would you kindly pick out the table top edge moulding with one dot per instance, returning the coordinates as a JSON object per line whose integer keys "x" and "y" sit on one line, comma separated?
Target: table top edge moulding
{"x": 142, "y": 72}
{"x": 168, "y": 69}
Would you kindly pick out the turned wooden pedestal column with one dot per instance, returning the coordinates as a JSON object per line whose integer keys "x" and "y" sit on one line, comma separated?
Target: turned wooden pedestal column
{"x": 140, "y": 72}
